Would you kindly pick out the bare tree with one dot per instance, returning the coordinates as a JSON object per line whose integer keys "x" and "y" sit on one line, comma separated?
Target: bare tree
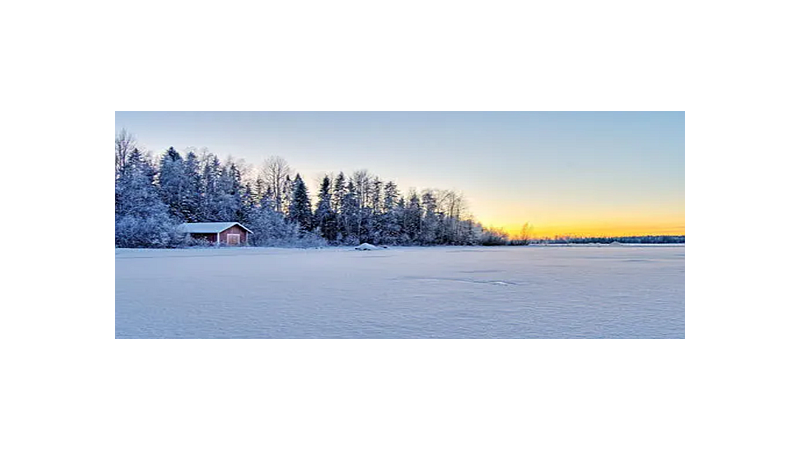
{"x": 124, "y": 143}
{"x": 361, "y": 181}
{"x": 525, "y": 233}
{"x": 275, "y": 172}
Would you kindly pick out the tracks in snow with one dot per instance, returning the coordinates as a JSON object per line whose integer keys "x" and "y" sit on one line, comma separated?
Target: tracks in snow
{"x": 465, "y": 280}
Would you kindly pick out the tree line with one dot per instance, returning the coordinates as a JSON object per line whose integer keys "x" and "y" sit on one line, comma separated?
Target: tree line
{"x": 154, "y": 195}
{"x": 665, "y": 239}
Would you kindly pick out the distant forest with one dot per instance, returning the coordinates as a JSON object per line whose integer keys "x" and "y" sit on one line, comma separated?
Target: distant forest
{"x": 611, "y": 240}
{"x": 155, "y": 194}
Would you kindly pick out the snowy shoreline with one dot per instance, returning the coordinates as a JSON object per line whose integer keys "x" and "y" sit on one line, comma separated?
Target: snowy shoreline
{"x": 267, "y": 250}
{"x": 605, "y": 245}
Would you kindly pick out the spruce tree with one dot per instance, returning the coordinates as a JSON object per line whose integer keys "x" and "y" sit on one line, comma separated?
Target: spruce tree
{"x": 209, "y": 189}
{"x": 429, "y": 225}
{"x": 260, "y": 190}
{"x": 228, "y": 203}
{"x": 190, "y": 206}
{"x": 324, "y": 216}
{"x": 413, "y": 218}
{"x": 350, "y": 216}
{"x": 172, "y": 183}
{"x": 388, "y": 220}
{"x": 300, "y": 206}
{"x": 337, "y": 203}
{"x": 338, "y": 193}
{"x": 248, "y": 204}
{"x": 285, "y": 199}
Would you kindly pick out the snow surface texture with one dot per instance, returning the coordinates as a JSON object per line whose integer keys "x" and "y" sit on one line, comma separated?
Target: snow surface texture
{"x": 439, "y": 292}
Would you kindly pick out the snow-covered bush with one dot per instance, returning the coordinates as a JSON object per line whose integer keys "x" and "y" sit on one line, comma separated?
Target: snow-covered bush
{"x": 310, "y": 240}
{"x": 195, "y": 242}
{"x": 270, "y": 229}
{"x": 493, "y": 236}
{"x": 133, "y": 231}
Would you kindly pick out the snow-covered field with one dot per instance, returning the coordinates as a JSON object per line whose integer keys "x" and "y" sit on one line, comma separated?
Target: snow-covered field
{"x": 439, "y": 292}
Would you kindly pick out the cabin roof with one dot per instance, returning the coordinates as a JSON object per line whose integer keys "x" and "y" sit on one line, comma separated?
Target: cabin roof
{"x": 209, "y": 227}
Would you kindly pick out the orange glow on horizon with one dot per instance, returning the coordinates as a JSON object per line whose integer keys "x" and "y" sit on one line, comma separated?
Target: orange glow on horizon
{"x": 592, "y": 230}
{"x": 550, "y": 218}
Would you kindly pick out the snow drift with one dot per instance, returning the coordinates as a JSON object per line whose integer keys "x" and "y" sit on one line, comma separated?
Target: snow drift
{"x": 366, "y": 246}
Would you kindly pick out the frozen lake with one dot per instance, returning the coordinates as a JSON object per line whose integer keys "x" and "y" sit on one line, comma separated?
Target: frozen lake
{"x": 437, "y": 292}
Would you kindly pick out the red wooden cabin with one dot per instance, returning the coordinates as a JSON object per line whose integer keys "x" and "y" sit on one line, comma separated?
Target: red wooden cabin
{"x": 218, "y": 233}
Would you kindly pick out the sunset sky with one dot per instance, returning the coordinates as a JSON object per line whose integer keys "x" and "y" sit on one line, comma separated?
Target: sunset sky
{"x": 579, "y": 173}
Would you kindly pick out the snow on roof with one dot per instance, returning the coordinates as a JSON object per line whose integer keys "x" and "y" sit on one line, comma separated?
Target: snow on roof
{"x": 208, "y": 227}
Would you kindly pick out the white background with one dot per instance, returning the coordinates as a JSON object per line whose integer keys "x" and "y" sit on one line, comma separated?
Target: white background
{"x": 69, "y": 383}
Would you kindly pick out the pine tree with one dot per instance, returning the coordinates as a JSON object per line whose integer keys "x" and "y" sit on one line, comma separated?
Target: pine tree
{"x": 390, "y": 196}
{"x": 412, "y": 219}
{"x": 269, "y": 199}
{"x": 324, "y": 216}
{"x": 249, "y": 204}
{"x": 190, "y": 206}
{"x": 228, "y": 203}
{"x": 300, "y": 206}
{"x": 259, "y": 191}
{"x": 172, "y": 183}
{"x": 338, "y": 193}
{"x": 373, "y": 230}
{"x": 361, "y": 185}
{"x": 337, "y": 203}
{"x": 210, "y": 189}
{"x": 389, "y": 220}
{"x": 285, "y": 199}
{"x": 429, "y": 226}
{"x": 350, "y": 216}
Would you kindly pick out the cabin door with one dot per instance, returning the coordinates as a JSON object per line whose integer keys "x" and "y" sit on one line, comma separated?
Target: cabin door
{"x": 233, "y": 239}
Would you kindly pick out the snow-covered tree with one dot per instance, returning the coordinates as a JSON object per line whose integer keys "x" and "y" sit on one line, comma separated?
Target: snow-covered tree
{"x": 229, "y": 193}
{"x": 412, "y": 218}
{"x": 141, "y": 218}
{"x": 150, "y": 200}
{"x": 429, "y": 226}
{"x": 300, "y": 206}
{"x": 249, "y": 204}
{"x": 324, "y": 215}
{"x": 259, "y": 190}
{"x": 173, "y": 183}
{"x": 209, "y": 188}
{"x": 337, "y": 196}
{"x": 350, "y": 216}
{"x": 389, "y": 221}
{"x": 190, "y": 208}
{"x": 270, "y": 228}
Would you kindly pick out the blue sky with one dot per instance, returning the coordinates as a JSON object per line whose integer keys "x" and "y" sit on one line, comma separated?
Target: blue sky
{"x": 563, "y": 172}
